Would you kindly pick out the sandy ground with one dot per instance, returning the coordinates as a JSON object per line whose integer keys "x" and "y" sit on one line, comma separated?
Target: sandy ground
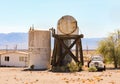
{"x": 18, "y": 76}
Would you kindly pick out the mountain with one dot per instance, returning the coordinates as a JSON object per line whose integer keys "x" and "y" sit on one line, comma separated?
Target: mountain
{"x": 11, "y": 40}
{"x": 90, "y": 43}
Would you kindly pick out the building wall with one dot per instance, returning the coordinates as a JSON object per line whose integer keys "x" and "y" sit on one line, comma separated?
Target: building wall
{"x": 14, "y": 60}
{"x": 39, "y": 49}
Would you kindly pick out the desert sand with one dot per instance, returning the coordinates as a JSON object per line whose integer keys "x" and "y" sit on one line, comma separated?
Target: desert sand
{"x": 19, "y": 76}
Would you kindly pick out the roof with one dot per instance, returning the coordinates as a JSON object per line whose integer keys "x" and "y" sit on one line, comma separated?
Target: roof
{"x": 18, "y": 52}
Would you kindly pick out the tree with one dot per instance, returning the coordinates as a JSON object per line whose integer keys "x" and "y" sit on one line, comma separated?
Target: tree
{"x": 110, "y": 48}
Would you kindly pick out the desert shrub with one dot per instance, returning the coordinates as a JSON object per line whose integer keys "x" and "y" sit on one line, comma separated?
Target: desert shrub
{"x": 70, "y": 67}
{"x": 74, "y": 67}
{"x": 92, "y": 69}
{"x": 59, "y": 69}
{"x": 109, "y": 47}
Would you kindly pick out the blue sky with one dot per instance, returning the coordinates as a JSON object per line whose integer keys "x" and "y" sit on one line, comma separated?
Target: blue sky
{"x": 96, "y": 18}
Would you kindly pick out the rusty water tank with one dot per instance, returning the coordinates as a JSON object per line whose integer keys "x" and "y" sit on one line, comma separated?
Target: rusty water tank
{"x": 67, "y": 25}
{"x": 39, "y": 49}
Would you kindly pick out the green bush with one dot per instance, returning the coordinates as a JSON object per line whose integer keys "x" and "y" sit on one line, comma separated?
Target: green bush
{"x": 71, "y": 67}
{"x": 74, "y": 67}
{"x": 92, "y": 69}
{"x": 59, "y": 69}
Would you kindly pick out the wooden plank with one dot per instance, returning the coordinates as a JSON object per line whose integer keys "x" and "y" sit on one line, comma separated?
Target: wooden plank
{"x": 53, "y": 61}
{"x": 68, "y": 36}
{"x": 65, "y": 53}
{"x": 59, "y": 53}
{"x": 69, "y": 52}
{"x": 81, "y": 53}
{"x": 77, "y": 49}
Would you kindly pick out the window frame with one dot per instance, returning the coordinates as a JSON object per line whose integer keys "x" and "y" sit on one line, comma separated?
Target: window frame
{"x": 7, "y": 58}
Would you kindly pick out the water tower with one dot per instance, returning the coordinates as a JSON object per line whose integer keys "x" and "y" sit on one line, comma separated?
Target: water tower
{"x": 67, "y": 42}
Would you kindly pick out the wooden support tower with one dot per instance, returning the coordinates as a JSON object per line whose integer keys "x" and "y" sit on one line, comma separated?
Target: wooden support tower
{"x": 67, "y": 43}
{"x": 59, "y": 44}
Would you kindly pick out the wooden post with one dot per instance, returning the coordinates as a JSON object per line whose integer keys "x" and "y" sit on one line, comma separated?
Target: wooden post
{"x": 53, "y": 61}
{"x": 81, "y": 52}
{"x": 77, "y": 49}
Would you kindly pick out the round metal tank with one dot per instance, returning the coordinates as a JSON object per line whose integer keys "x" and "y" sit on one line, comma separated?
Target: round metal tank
{"x": 39, "y": 49}
{"x": 67, "y": 25}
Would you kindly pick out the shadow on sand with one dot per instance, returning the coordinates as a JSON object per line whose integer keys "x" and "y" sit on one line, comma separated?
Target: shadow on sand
{"x": 35, "y": 69}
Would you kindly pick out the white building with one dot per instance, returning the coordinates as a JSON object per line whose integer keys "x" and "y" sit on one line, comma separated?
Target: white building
{"x": 14, "y": 58}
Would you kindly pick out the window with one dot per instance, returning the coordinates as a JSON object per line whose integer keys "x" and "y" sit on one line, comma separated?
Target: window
{"x": 7, "y": 58}
{"x": 21, "y": 59}
{"x": 26, "y": 59}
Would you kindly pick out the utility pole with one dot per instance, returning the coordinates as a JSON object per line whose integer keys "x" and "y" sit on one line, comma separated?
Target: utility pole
{"x": 6, "y": 48}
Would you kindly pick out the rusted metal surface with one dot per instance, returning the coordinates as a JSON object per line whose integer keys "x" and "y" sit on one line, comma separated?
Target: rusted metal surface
{"x": 67, "y": 25}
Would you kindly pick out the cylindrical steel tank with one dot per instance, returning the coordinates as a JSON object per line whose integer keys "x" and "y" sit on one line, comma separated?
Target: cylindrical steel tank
{"x": 67, "y": 25}
{"x": 39, "y": 49}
